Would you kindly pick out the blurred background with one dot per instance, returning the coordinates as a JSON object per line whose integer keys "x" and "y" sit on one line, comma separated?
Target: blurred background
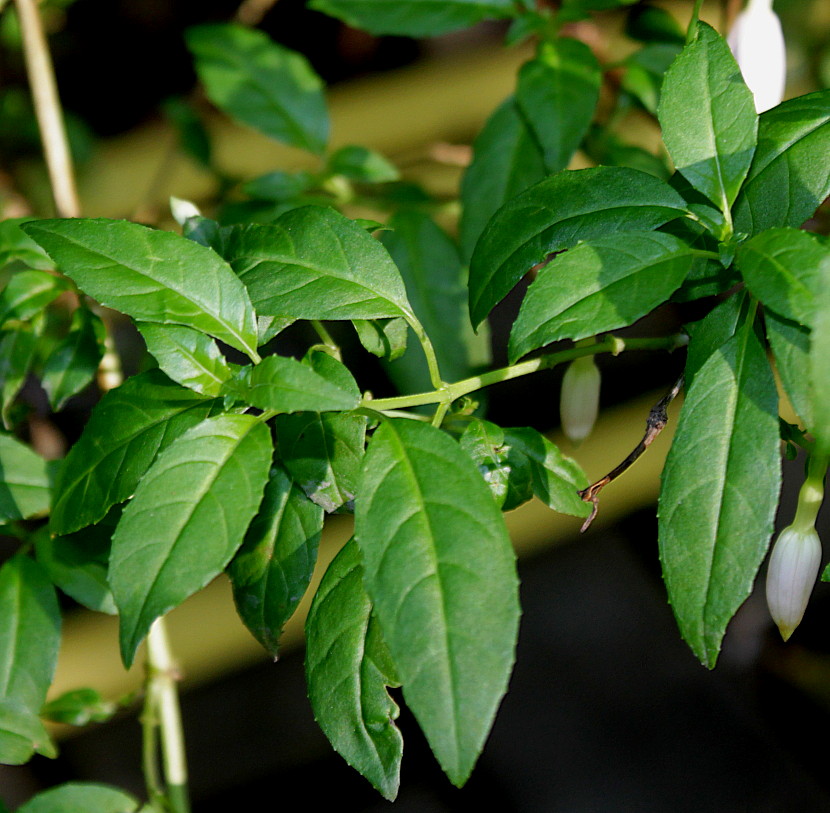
{"x": 608, "y": 710}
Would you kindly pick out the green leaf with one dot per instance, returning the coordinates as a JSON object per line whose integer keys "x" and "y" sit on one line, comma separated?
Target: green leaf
{"x": 719, "y": 491}
{"x": 17, "y": 353}
{"x": 30, "y": 632}
{"x": 27, "y": 293}
{"x": 78, "y": 707}
{"x": 557, "y": 213}
{"x": 819, "y": 366}
{"x": 314, "y": 263}
{"x": 557, "y": 94}
{"x": 348, "y": 669}
{"x": 784, "y": 268}
{"x": 556, "y": 478}
{"x": 285, "y": 385}
{"x": 362, "y": 165}
{"x": 187, "y": 519}
{"x": 80, "y": 797}
{"x": 599, "y": 285}
{"x": 506, "y": 161}
{"x": 21, "y": 734}
{"x": 187, "y": 356}
{"x": 654, "y": 24}
{"x": 789, "y": 176}
{"x": 261, "y": 84}
{"x": 709, "y": 334}
{"x": 273, "y": 568}
{"x": 24, "y": 481}
{"x": 194, "y": 139}
{"x": 323, "y": 453}
{"x": 72, "y": 364}
{"x": 127, "y": 429}
{"x": 708, "y": 118}
{"x": 15, "y": 245}
{"x": 603, "y": 146}
{"x": 279, "y": 186}
{"x": 644, "y": 73}
{"x": 441, "y": 575}
{"x": 155, "y": 276}
{"x": 413, "y": 18}
{"x": 386, "y": 338}
{"x": 790, "y": 344}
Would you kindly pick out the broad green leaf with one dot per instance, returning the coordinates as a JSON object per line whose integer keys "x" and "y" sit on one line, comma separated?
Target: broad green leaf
{"x": 386, "y": 338}
{"x": 789, "y": 176}
{"x": 557, "y": 213}
{"x": 24, "y": 481}
{"x": 27, "y": 293}
{"x": 17, "y": 353}
{"x": 348, "y": 669}
{"x": 286, "y": 385}
{"x": 72, "y": 364}
{"x": 16, "y": 245}
{"x": 187, "y": 519}
{"x": 78, "y": 707}
{"x": 154, "y": 276}
{"x": 81, "y": 797}
{"x": 599, "y": 285}
{"x": 557, "y": 93}
{"x": 187, "y": 356}
{"x": 323, "y": 453}
{"x": 262, "y": 84}
{"x": 30, "y": 632}
{"x": 413, "y": 18}
{"x": 21, "y": 734}
{"x": 644, "y": 73}
{"x": 440, "y": 571}
{"x": 126, "y": 431}
{"x": 556, "y": 478}
{"x": 719, "y": 491}
{"x": 314, "y": 263}
{"x": 362, "y": 165}
{"x": 506, "y": 470}
{"x": 272, "y": 570}
{"x": 784, "y": 269}
{"x": 708, "y": 118}
{"x": 709, "y": 334}
{"x": 790, "y": 344}
{"x": 506, "y": 161}
{"x": 819, "y": 365}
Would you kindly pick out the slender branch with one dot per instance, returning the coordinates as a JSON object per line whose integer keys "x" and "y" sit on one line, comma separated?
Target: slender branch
{"x": 691, "y": 31}
{"x": 48, "y": 110}
{"x": 429, "y": 351}
{"x": 326, "y": 338}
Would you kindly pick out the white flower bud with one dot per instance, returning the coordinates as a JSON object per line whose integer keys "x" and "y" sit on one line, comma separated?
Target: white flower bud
{"x": 579, "y": 399}
{"x": 182, "y": 210}
{"x": 757, "y": 42}
{"x": 793, "y": 567}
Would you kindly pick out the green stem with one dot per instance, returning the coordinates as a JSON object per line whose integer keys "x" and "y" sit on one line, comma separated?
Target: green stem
{"x": 429, "y": 352}
{"x": 812, "y": 493}
{"x": 691, "y": 31}
{"x": 326, "y": 338}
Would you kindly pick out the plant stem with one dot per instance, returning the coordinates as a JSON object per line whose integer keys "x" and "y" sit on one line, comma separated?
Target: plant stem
{"x": 429, "y": 352}
{"x": 163, "y": 697}
{"x": 691, "y": 31}
{"x": 326, "y": 338}
{"x": 48, "y": 110}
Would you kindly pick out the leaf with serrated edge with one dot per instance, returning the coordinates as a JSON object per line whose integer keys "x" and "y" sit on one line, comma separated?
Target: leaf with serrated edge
{"x": 348, "y": 669}
{"x": 24, "y": 482}
{"x": 30, "y": 631}
{"x": 74, "y": 797}
{"x": 187, "y": 519}
{"x": 273, "y": 568}
{"x": 440, "y": 571}
{"x": 155, "y": 276}
{"x": 719, "y": 491}
{"x": 557, "y": 213}
{"x": 128, "y": 428}
{"x": 599, "y": 285}
{"x": 314, "y": 263}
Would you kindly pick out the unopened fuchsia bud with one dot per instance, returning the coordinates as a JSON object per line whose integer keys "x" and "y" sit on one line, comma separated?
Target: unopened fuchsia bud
{"x": 579, "y": 399}
{"x": 757, "y": 42}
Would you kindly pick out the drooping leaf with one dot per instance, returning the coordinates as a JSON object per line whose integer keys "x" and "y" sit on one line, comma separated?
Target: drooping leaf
{"x": 21, "y": 734}
{"x": 16, "y": 245}
{"x": 720, "y": 491}
{"x": 789, "y": 176}
{"x": 273, "y": 568}
{"x": 557, "y": 213}
{"x": 27, "y": 293}
{"x": 644, "y": 73}
{"x": 708, "y": 118}
{"x": 362, "y": 165}
{"x": 314, "y": 263}
{"x": 413, "y": 18}
{"x": 187, "y": 519}
{"x": 790, "y": 344}
{"x": 260, "y": 83}
{"x": 506, "y": 161}
{"x": 72, "y": 365}
{"x": 17, "y": 353}
{"x": 154, "y": 276}
{"x": 126, "y": 431}
{"x": 557, "y": 93}
{"x": 193, "y": 136}
{"x": 348, "y": 669}
{"x": 30, "y": 631}
{"x": 187, "y": 356}
{"x": 440, "y": 571}
{"x": 81, "y": 797}
{"x": 599, "y": 285}
{"x": 78, "y": 707}
{"x": 24, "y": 481}
{"x": 386, "y": 338}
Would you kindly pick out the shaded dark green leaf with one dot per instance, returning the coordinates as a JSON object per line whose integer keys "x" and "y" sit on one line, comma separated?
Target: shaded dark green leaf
{"x": 24, "y": 481}
{"x": 644, "y": 73}
{"x": 386, "y": 338}
{"x": 81, "y": 797}
{"x": 709, "y": 334}
{"x": 16, "y": 245}
{"x": 78, "y": 707}
{"x": 819, "y": 365}
{"x": 27, "y": 293}
{"x": 362, "y": 165}
{"x": 17, "y": 353}
{"x": 21, "y": 734}
{"x": 790, "y": 344}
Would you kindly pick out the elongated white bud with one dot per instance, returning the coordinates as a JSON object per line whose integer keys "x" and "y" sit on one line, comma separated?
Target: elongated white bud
{"x": 793, "y": 568}
{"x": 579, "y": 399}
{"x": 757, "y": 42}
